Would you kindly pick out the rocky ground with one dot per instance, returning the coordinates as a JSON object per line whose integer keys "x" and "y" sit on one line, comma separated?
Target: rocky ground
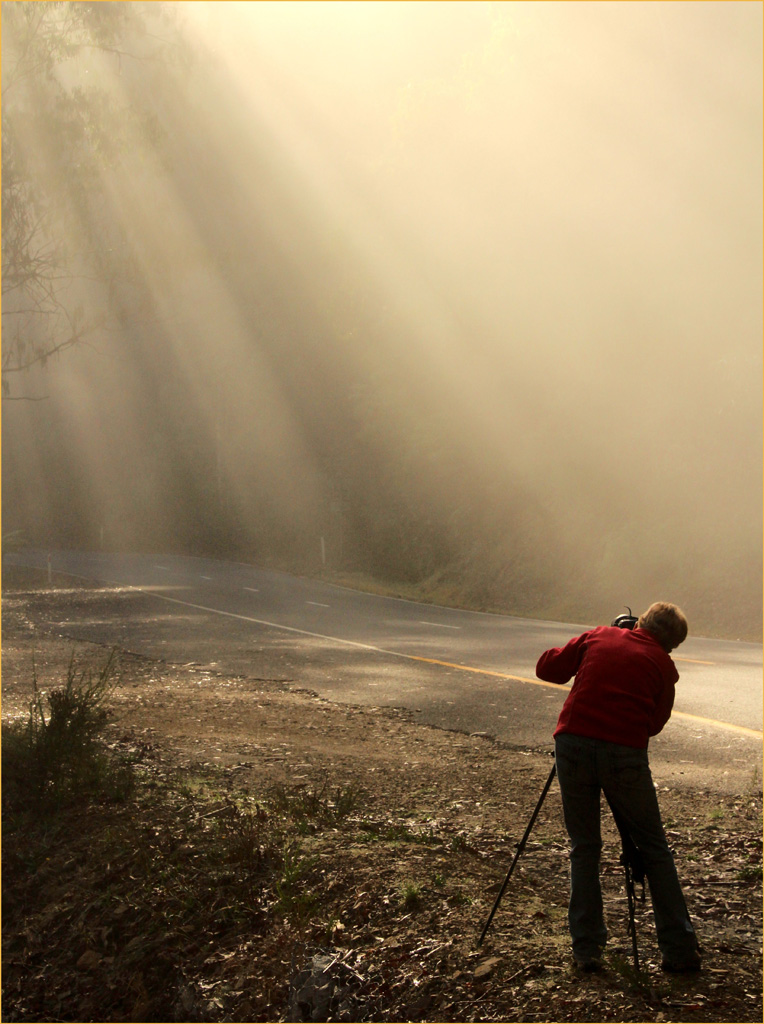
{"x": 280, "y": 857}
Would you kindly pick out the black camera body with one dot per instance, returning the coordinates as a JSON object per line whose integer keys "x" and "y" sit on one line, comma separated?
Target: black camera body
{"x": 625, "y": 621}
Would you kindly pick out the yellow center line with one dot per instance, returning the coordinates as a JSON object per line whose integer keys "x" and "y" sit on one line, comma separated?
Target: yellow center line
{"x": 413, "y": 657}
{"x": 540, "y": 682}
{"x": 695, "y": 661}
{"x": 483, "y": 671}
{"x": 722, "y": 725}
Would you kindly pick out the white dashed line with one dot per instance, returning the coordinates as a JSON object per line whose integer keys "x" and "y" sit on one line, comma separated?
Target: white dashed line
{"x": 318, "y": 604}
{"x": 442, "y": 625}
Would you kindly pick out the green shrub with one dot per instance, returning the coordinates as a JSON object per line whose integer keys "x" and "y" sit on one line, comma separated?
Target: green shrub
{"x": 58, "y": 754}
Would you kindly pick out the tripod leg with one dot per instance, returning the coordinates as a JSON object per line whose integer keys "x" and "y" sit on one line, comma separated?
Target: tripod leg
{"x": 632, "y": 922}
{"x": 520, "y": 848}
{"x": 633, "y": 865}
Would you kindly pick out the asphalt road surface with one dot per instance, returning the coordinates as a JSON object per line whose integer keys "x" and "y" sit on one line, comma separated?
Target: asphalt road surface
{"x": 456, "y": 669}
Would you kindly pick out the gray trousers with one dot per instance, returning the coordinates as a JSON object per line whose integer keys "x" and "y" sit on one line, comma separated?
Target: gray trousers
{"x": 585, "y": 767}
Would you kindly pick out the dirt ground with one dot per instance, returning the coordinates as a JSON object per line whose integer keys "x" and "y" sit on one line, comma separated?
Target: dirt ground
{"x": 400, "y": 889}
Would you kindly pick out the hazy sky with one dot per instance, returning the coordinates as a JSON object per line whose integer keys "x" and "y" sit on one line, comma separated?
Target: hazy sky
{"x": 526, "y": 233}
{"x": 560, "y": 202}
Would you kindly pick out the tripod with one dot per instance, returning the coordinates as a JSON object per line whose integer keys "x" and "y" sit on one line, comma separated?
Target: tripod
{"x": 631, "y": 859}
{"x": 520, "y": 848}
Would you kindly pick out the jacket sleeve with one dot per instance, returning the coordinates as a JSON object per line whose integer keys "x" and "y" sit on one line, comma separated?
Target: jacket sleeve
{"x": 560, "y": 664}
{"x": 663, "y": 709}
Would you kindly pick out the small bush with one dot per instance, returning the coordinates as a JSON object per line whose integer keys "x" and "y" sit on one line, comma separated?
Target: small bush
{"x": 245, "y": 836}
{"x": 411, "y": 895}
{"x": 749, "y": 873}
{"x": 294, "y": 897}
{"x": 58, "y": 753}
{"x": 316, "y": 804}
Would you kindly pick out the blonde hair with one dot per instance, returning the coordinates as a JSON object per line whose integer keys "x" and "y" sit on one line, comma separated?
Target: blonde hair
{"x": 666, "y": 623}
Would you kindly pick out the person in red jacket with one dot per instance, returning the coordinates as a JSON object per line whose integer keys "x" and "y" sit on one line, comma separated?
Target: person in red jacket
{"x": 622, "y": 695}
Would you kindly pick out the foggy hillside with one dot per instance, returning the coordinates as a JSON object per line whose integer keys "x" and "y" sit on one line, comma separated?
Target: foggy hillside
{"x": 470, "y": 291}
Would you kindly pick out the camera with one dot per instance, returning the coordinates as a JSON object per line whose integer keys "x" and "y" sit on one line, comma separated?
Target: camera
{"x": 625, "y": 621}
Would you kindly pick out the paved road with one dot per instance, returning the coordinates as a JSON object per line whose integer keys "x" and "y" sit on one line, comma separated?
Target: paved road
{"x": 457, "y": 669}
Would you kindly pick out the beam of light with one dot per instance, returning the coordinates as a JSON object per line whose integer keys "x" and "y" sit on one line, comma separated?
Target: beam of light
{"x": 512, "y": 243}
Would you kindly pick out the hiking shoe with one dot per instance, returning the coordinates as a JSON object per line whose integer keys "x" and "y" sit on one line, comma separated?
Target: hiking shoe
{"x": 689, "y": 965}
{"x": 589, "y": 965}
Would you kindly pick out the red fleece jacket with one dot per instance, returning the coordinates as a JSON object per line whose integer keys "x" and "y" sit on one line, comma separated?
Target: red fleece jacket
{"x": 624, "y": 686}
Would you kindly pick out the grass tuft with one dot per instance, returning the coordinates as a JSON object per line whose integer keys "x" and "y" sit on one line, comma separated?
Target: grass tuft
{"x": 317, "y": 805}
